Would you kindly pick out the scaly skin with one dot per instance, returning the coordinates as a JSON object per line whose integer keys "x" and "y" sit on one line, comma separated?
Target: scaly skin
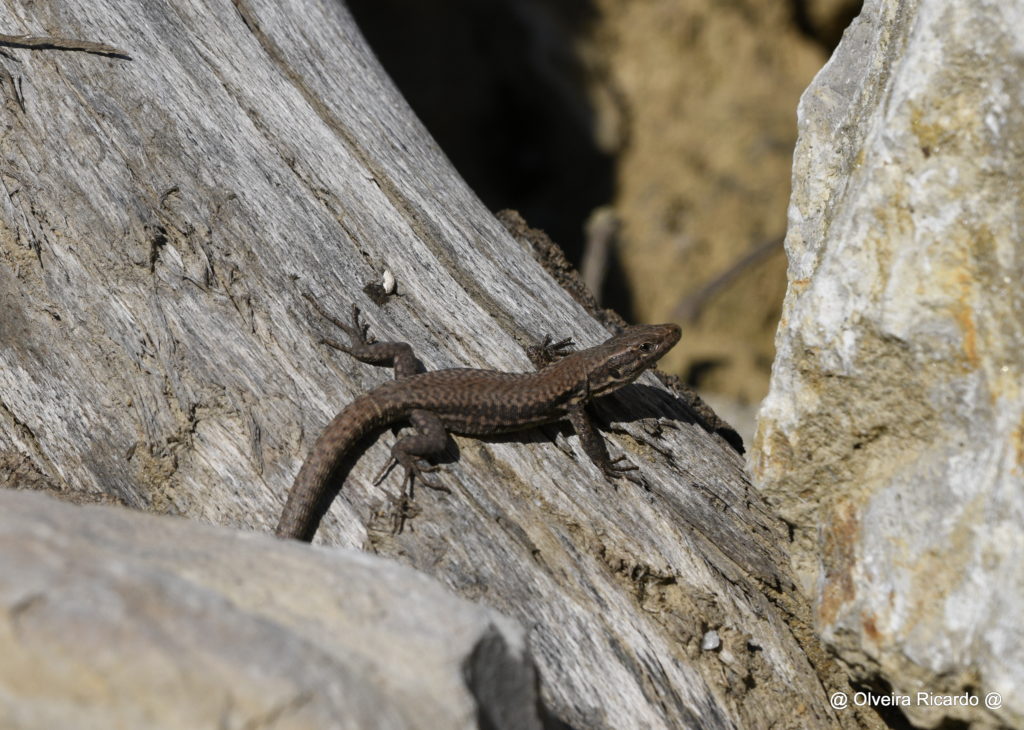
{"x": 465, "y": 401}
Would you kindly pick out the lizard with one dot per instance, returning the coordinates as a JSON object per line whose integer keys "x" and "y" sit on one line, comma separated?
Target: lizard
{"x": 465, "y": 401}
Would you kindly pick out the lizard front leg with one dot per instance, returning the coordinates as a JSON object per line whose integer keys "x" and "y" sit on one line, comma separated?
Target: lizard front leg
{"x": 542, "y": 355}
{"x": 549, "y": 351}
{"x": 364, "y": 347}
{"x": 594, "y": 447}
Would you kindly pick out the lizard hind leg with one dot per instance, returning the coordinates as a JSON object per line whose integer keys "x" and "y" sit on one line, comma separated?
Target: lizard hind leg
{"x": 430, "y": 438}
{"x": 414, "y": 467}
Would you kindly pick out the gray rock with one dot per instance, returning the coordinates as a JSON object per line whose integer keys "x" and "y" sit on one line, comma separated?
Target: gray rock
{"x": 893, "y": 436}
{"x": 116, "y": 619}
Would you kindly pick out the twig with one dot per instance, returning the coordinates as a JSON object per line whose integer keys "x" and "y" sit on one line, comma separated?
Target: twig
{"x": 689, "y": 308}
{"x": 60, "y": 44}
{"x": 602, "y": 230}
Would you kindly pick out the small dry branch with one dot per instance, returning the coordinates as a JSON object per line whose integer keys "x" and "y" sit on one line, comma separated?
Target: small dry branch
{"x": 61, "y": 44}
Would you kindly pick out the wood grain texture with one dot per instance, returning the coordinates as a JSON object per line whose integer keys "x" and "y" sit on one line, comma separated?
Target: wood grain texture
{"x": 160, "y": 218}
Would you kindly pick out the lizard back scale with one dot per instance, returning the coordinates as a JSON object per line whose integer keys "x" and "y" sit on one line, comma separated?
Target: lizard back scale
{"x": 466, "y": 401}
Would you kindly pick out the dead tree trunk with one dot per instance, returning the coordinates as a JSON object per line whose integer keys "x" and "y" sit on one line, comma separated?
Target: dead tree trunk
{"x": 164, "y": 211}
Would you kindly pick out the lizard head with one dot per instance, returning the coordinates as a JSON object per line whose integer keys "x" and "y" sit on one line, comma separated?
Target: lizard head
{"x": 622, "y": 358}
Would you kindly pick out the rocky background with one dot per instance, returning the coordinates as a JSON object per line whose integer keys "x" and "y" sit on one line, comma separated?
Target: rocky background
{"x": 892, "y": 438}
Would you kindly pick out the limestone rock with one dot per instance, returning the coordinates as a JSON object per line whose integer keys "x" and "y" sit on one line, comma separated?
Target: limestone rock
{"x": 116, "y": 619}
{"x": 893, "y": 436}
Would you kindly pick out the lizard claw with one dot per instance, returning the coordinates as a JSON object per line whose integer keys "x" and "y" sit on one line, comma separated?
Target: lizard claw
{"x": 385, "y": 470}
{"x": 563, "y": 445}
{"x": 549, "y": 351}
{"x": 557, "y": 349}
{"x": 404, "y": 510}
{"x": 657, "y": 426}
{"x": 417, "y": 470}
{"x": 335, "y": 344}
{"x": 413, "y": 469}
{"x": 356, "y": 330}
{"x": 359, "y": 330}
{"x": 616, "y": 460}
{"x": 613, "y": 470}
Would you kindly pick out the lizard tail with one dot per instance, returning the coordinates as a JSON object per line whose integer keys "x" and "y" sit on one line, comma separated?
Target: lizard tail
{"x": 324, "y": 470}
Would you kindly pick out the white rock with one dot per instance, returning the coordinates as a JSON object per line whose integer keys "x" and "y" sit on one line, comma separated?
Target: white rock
{"x": 710, "y": 641}
{"x": 893, "y": 435}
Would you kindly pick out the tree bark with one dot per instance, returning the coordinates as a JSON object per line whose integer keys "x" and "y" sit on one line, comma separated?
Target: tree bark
{"x": 163, "y": 214}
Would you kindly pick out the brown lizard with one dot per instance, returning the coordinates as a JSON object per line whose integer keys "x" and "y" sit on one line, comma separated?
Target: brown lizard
{"x": 465, "y": 401}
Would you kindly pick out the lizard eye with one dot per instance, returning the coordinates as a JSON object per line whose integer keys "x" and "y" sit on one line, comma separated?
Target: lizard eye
{"x": 646, "y": 347}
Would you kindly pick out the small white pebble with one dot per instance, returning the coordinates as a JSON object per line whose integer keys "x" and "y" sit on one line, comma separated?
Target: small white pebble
{"x": 711, "y": 641}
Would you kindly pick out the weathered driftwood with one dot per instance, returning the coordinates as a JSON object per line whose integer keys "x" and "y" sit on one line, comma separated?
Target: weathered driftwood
{"x": 162, "y": 215}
